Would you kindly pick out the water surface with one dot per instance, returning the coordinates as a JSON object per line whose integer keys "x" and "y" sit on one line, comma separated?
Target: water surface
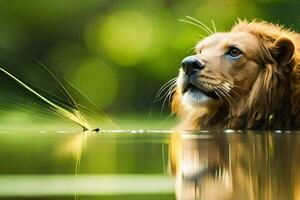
{"x": 150, "y": 165}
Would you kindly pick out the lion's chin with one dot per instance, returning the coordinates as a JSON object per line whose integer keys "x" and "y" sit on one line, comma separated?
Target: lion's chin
{"x": 197, "y": 98}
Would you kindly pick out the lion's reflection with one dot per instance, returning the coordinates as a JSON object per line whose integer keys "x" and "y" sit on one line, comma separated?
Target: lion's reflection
{"x": 235, "y": 166}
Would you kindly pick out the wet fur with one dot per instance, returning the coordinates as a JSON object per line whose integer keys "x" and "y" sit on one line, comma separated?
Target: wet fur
{"x": 273, "y": 101}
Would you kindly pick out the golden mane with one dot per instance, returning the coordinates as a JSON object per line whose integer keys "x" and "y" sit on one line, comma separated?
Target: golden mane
{"x": 274, "y": 100}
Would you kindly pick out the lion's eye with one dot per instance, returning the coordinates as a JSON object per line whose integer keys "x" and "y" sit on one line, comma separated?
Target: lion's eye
{"x": 234, "y": 52}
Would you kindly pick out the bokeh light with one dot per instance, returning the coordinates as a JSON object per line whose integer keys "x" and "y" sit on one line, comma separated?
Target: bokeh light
{"x": 97, "y": 81}
{"x": 124, "y": 36}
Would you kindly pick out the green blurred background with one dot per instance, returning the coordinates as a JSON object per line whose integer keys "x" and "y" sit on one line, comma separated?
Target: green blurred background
{"x": 119, "y": 53}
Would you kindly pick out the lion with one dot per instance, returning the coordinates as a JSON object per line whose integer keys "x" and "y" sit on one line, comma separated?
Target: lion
{"x": 247, "y": 78}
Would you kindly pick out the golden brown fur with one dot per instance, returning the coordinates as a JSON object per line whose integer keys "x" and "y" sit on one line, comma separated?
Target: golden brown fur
{"x": 263, "y": 85}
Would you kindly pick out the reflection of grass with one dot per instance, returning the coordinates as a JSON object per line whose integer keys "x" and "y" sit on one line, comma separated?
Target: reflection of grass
{"x": 27, "y": 120}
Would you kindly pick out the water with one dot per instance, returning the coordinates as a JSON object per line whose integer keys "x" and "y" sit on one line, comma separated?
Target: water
{"x": 150, "y": 165}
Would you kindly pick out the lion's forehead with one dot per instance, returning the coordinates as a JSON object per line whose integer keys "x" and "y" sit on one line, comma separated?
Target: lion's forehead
{"x": 245, "y": 41}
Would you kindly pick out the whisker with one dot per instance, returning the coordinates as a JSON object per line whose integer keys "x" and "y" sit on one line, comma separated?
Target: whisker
{"x": 240, "y": 87}
{"x": 190, "y": 49}
{"x": 226, "y": 86}
{"x": 158, "y": 96}
{"x": 202, "y": 36}
{"x": 173, "y": 90}
{"x": 169, "y": 93}
{"x": 228, "y": 95}
{"x": 197, "y": 25}
{"x": 231, "y": 85}
{"x": 172, "y": 113}
{"x": 229, "y": 89}
{"x": 235, "y": 93}
{"x": 200, "y": 23}
{"x": 214, "y": 26}
{"x": 217, "y": 93}
{"x": 224, "y": 95}
{"x": 223, "y": 91}
{"x": 164, "y": 87}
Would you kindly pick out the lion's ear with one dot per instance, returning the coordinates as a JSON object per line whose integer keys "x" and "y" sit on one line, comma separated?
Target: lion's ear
{"x": 283, "y": 51}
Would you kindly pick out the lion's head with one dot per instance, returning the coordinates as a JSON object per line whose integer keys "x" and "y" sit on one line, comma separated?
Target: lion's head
{"x": 248, "y": 78}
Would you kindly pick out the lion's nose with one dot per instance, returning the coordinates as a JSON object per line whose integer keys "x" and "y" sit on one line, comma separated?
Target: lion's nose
{"x": 191, "y": 65}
